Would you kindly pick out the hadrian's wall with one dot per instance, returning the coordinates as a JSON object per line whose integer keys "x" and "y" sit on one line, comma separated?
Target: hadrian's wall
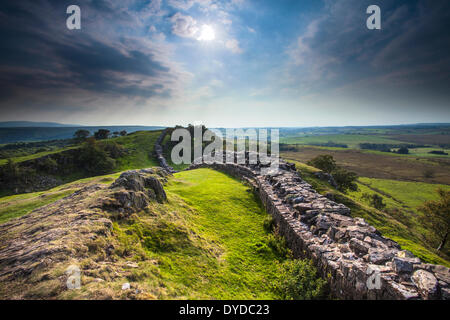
{"x": 159, "y": 152}
{"x": 357, "y": 261}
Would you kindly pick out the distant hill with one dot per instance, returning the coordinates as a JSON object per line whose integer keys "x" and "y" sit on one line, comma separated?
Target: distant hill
{"x": 33, "y": 133}
{"x": 21, "y": 124}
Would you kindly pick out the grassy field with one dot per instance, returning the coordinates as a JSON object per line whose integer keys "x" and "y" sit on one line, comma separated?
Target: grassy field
{"x": 226, "y": 215}
{"x": 380, "y": 165}
{"x": 352, "y": 140}
{"x": 399, "y": 221}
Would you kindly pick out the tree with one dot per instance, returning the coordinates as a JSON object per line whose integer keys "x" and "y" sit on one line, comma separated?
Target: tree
{"x": 437, "y": 216}
{"x": 323, "y": 162}
{"x": 102, "y": 134}
{"x": 123, "y": 133}
{"x": 403, "y": 150}
{"x": 93, "y": 159}
{"x": 81, "y": 134}
{"x": 345, "y": 180}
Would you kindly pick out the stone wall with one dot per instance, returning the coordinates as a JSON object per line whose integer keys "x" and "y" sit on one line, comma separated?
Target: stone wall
{"x": 159, "y": 152}
{"x": 357, "y": 261}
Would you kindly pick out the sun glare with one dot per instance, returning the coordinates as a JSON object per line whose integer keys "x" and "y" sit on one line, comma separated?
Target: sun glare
{"x": 207, "y": 33}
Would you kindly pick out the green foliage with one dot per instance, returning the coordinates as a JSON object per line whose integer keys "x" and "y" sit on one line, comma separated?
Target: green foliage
{"x": 324, "y": 162}
{"x": 81, "y": 134}
{"x": 437, "y": 216}
{"x": 102, "y": 134}
{"x": 345, "y": 180}
{"x": 93, "y": 159}
{"x": 375, "y": 200}
{"x": 297, "y": 280}
{"x": 403, "y": 150}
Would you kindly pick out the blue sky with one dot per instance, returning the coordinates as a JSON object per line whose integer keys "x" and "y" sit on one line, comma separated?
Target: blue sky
{"x": 270, "y": 63}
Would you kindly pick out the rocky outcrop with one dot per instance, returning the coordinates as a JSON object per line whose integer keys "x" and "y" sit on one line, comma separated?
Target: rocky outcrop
{"x": 62, "y": 232}
{"x": 134, "y": 190}
{"x": 357, "y": 261}
{"x": 159, "y": 152}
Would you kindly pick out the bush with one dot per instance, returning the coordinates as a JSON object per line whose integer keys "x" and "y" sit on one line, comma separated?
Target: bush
{"x": 345, "y": 180}
{"x": 114, "y": 150}
{"x": 375, "y": 200}
{"x": 93, "y": 159}
{"x": 323, "y": 162}
{"x": 403, "y": 150}
{"x": 269, "y": 223}
{"x": 278, "y": 244}
{"x": 298, "y": 280}
{"x": 102, "y": 134}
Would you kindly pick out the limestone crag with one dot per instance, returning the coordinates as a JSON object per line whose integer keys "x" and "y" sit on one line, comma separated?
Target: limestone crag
{"x": 61, "y": 233}
{"x": 357, "y": 261}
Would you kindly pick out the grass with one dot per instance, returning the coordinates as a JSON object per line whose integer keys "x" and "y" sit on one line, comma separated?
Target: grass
{"x": 411, "y": 194}
{"x": 352, "y": 140}
{"x": 18, "y": 205}
{"x": 36, "y": 155}
{"x": 379, "y": 165}
{"x": 228, "y": 217}
{"x": 400, "y": 220}
{"x": 140, "y": 145}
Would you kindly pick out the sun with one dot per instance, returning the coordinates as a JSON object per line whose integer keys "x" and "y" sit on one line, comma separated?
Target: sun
{"x": 207, "y": 33}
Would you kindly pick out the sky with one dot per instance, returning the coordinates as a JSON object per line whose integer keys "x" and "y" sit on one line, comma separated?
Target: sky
{"x": 233, "y": 63}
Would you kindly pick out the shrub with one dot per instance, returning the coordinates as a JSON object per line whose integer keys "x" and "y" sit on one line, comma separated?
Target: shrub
{"x": 323, "y": 162}
{"x": 278, "y": 244}
{"x": 437, "y": 217}
{"x": 375, "y": 200}
{"x": 345, "y": 180}
{"x": 298, "y": 280}
{"x": 81, "y": 134}
{"x": 93, "y": 159}
{"x": 102, "y": 134}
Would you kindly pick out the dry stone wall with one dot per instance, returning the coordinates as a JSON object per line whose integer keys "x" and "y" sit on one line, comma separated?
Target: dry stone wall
{"x": 357, "y": 261}
{"x": 159, "y": 152}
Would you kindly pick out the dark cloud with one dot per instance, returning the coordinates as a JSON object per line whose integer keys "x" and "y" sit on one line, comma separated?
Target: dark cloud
{"x": 39, "y": 54}
{"x": 409, "y": 54}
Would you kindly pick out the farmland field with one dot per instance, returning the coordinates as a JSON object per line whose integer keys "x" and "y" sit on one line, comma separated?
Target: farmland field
{"x": 378, "y": 165}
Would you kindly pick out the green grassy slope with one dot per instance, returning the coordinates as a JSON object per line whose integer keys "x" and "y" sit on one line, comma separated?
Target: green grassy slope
{"x": 208, "y": 241}
{"x": 21, "y": 204}
{"x": 228, "y": 215}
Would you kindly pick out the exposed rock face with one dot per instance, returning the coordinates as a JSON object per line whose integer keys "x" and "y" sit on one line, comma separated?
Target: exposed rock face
{"x": 133, "y": 190}
{"x": 50, "y": 234}
{"x": 159, "y": 153}
{"x": 426, "y": 283}
{"x": 358, "y": 262}
{"x": 59, "y": 233}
